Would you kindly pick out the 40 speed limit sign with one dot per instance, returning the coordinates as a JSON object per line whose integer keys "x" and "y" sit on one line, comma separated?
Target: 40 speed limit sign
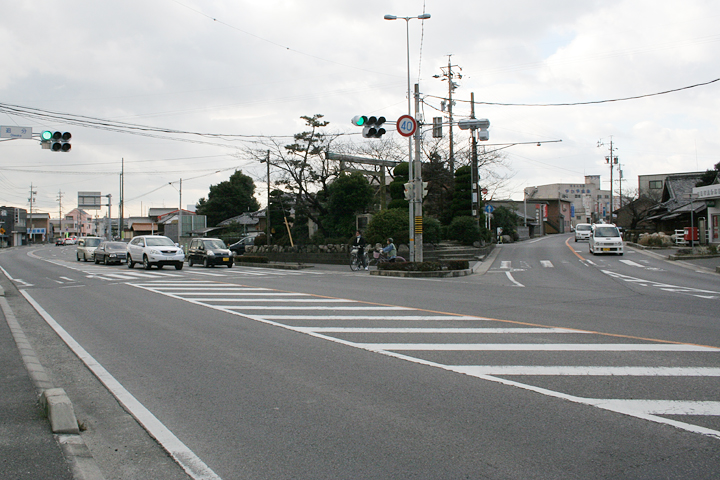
{"x": 406, "y": 125}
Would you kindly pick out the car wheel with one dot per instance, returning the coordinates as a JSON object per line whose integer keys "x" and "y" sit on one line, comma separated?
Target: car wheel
{"x": 190, "y": 262}
{"x": 146, "y": 263}
{"x": 130, "y": 263}
{"x": 97, "y": 260}
{"x": 230, "y": 265}
{"x": 160, "y": 267}
{"x": 107, "y": 262}
{"x": 178, "y": 266}
{"x": 206, "y": 264}
{"x": 85, "y": 259}
{"x": 78, "y": 257}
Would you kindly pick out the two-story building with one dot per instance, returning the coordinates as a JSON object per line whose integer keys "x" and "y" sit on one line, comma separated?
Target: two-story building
{"x": 13, "y": 226}
{"x": 587, "y": 201}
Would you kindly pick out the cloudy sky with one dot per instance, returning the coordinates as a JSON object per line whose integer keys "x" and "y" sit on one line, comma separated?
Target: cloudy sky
{"x": 252, "y": 68}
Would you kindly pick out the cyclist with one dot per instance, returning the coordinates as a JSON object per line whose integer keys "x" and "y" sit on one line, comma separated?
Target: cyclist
{"x": 359, "y": 243}
{"x": 390, "y": 250}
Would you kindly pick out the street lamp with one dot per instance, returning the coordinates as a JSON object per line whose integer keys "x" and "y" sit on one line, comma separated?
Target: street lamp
{"x": 414, "y": 170}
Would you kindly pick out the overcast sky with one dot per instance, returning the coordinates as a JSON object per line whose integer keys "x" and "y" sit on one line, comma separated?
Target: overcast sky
{"x": 253, "y": 68}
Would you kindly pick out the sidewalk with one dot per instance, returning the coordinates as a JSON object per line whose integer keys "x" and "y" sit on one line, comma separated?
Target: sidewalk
{"x": 28, "y": 449}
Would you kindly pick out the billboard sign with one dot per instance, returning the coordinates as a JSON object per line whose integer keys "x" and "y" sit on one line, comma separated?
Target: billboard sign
{"x": 89, "y": 200}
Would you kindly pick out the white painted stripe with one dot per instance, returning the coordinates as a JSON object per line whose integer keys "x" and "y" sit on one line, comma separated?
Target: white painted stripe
{"x": 266, "y": 293}
{"x": 505, "y": 264}
{"x": 210, "y": 286}
{"x": 631, "y": 263}
{"x": 68, "y": 279}
{"x": 663, "y": 407}
{"x": 209, "y": 274}
{"x": 288, "y": 300}
{"x": 588, "y": 371}
{"x": 509, "y": 275}
{"x": 185, "y": 457}
{"x": 543, "y": 347}
{"x": 546, "y": 263}
{"x": 334, "y": 307}
{"x": 379, "y": 318}
{"x": 436, "y": 330}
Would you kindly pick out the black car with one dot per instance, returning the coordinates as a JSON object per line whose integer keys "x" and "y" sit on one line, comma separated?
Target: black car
{"x": 209, "y": 252}
{"x": 110, "y": 252}
{"x": 238, "y": 248}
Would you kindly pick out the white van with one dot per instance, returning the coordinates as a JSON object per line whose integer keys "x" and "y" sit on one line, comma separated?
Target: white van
{"x": 583, "y": 231}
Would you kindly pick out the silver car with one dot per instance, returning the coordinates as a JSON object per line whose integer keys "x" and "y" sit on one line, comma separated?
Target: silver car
{"x": 86, "y": 247}
{"x": 154, "y": 250}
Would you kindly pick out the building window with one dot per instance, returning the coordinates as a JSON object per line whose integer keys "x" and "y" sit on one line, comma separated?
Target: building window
{"x": 655, "y": 184}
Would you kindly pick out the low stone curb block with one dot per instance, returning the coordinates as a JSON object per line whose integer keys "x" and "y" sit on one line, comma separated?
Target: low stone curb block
{"x": 59, "y": 410}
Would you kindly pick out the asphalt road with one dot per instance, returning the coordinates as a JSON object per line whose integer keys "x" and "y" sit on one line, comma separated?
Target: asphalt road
{"x": 553, "y": 364}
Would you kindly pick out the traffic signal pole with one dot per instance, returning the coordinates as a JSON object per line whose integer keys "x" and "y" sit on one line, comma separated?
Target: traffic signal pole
{"x": 417, "y": 224}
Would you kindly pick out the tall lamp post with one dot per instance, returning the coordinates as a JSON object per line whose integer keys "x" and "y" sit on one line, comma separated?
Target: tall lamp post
{"x": 414, "y": 168}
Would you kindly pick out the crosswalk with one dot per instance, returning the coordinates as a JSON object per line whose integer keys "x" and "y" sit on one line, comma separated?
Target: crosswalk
{"x": 518, "y": 355}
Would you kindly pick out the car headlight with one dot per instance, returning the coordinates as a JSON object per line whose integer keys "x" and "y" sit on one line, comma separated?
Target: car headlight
{"x": 154, "y": 251}
{"x": 113, "y": 255}
{"x": 211, "y": 253}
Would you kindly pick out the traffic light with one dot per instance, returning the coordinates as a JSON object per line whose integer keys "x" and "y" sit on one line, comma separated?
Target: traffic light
{"x": 372, "y": 126}
{"x": 424, "y": 189}
{"x": 56, "y": 141}
{"x": 408, "y": 191}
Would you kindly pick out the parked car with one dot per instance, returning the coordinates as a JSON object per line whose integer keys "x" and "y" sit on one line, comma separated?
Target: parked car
{"x": 605, "y": 238}
{"x": 86, "y": 246}
{"x": 110, "y": 252}
{"x": 154, "y": 250}
{"x": 60, "y": 241}
{"x": 582, "y": 231}
{"x": 238, "y": 248}
{"x": 209, "y": 252}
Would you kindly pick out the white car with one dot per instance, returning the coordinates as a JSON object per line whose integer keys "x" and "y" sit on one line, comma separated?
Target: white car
{"x": 86, "y": 247}
{"x": 582, "y": 231}
{"x": 154, "y": 250}
{"x": 605, "y": 238}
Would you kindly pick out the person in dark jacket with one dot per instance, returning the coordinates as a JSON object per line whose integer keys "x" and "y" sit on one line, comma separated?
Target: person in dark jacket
{"x": 359, "y": 243}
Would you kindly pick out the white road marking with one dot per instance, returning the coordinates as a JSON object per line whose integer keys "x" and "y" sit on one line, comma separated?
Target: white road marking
{"x": 540, "y": 347}
{"x": 663, "y": 286}
{"x": 644, "y": 409}
{"x": 505, "y": 264}
{"x": 589, "y": 371}
{"x": 185, "y": 457}
{"x": 632, "y": 264}
{"x": 518, "y": 284}
{"x": 437, "y": 330}
{"x": 546, "y": 263}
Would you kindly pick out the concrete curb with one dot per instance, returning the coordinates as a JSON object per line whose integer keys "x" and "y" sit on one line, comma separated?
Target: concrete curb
{"x": 55, "y": 403}
{"x": 433, "y": 274}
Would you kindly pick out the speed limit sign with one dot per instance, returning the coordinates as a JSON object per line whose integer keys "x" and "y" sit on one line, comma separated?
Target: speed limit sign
{"x": 406, "y": 125}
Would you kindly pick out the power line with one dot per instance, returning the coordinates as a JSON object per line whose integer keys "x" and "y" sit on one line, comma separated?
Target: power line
{"x": 587, "y": 103}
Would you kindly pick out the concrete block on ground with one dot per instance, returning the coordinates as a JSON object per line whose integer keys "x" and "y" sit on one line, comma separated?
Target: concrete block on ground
{"x": 60, "y": 411}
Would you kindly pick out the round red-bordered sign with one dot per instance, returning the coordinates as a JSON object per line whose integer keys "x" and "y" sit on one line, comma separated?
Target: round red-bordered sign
{"x": 406, "y": 125}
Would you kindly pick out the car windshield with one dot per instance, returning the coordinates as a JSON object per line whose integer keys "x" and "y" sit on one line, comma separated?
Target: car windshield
{"x": 92, "y": 242}
{"x": 116, "y": 246}
{"x": 159, "y": 242}
{"x": 583, "y": 227}
{"x": 210, "y": 244}
{"x": 606, "y": 232}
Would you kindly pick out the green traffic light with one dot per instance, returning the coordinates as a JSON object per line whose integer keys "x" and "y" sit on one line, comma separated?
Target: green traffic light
{"x": 359, "y": 120}
{"x": 46, "y": 135}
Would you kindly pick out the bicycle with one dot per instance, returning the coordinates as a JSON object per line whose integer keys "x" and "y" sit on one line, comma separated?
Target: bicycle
{"x": 357, "y": 263}
{"x": 381, "y": 257}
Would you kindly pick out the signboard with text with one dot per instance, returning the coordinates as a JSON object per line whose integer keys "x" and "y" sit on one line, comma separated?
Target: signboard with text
{"x": 89, "y": 200}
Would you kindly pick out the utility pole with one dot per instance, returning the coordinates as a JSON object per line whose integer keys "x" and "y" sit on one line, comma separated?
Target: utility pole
{"x": 121, "y": 230}
{"x": 612, "y": 160}
{"x": 180, "y": 215}
{"x": 449, "y": 75}
{"x": 31, "y": 200}
{"x": 267, "y": 207}
{"x": 475, "y": 194}
{"x": 60, "y": 219}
